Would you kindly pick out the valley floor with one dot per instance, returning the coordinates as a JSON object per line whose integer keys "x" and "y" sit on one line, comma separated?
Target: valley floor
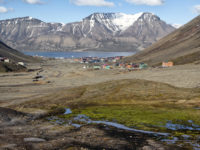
{"x": 58, "y": 74}
{"x": 156, "y": 99}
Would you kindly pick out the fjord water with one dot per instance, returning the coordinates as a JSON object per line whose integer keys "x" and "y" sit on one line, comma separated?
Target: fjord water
{"x": 79, "y": 54}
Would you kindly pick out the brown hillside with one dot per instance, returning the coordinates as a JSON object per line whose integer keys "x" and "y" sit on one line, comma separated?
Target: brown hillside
{"x": 182, "y": 43}
{"x": 14, "y": 55}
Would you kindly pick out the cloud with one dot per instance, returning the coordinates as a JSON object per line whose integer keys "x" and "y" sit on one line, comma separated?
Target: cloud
{"x": 197, "y": 9}
{"x": 5, "y": 10}
{"x": 5, "y": 1}
{"x": 92, "y": 3}
{"x": 33, "y": 1}
{"x": 146, "y": 2}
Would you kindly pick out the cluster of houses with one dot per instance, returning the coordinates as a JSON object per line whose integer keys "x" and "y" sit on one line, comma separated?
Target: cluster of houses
{"x": 97, "y": 63}
{"x": 91, "y": 60}
{"x": 6, "y": 60}
{"x": 128, "y": 66}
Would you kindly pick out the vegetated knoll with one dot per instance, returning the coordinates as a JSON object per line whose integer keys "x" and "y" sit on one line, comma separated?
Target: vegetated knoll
{"x": 182, "y": 43}
{"x": 14, "y": 55}
{"x": 116, "y": 92}
{"x": 121, "y": 100}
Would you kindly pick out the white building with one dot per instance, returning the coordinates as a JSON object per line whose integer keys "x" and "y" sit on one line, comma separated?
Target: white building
{"x": 21, "y": 63}
{"x": 6, "y": 60}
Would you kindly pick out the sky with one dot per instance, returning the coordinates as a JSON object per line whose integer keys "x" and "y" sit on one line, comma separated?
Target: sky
{"x": 65, "y": 11}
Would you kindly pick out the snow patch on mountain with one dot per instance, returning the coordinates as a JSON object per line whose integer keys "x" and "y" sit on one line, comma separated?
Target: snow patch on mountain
{"x": 123, "y": 21}
{"x": 113, "y": 21}
{"x": 177, "y": 25}
{"x": 30, "y": 18}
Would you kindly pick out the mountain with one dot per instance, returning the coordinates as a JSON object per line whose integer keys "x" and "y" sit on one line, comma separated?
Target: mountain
{"x": 14, "y": 55}
{"x": 99, "y": 31}
{"x": 182, "y": 46}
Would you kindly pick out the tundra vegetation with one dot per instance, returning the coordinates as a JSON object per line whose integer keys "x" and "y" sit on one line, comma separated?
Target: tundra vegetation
{"x": 138, "y": 104}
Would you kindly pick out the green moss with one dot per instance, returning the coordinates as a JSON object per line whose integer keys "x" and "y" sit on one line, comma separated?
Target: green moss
{"x": 141, "y": 117}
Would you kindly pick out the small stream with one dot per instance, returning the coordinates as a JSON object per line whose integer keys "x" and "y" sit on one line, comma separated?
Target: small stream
{"x": 87, "y": 120}
{"x": 185, "y": 139}
{"x": 192, "y": 127}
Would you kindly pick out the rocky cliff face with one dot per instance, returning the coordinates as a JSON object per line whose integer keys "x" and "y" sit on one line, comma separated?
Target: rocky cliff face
{"x": 99, "y": 31}
{"x": 182, "y": 47}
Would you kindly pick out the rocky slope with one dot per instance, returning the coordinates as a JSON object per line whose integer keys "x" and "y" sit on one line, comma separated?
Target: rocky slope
{"x": 99, "y": 31}
{"x": 14, "y": 55}
{"x": 182, "y": 46}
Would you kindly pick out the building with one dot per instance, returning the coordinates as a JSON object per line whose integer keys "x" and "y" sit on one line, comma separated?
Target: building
{"x": 21, "y": 63}
{"x": 143, "y": 66}
{"x": 96, "y": 67}
{"x": 129, "y": 66}
{"x": 6, "y": 60}
{"x": 167, "y": 64}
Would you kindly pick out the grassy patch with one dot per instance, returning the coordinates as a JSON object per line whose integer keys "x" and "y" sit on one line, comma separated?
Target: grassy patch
{"x": 142, "y": 116}
{"x": 121, "y": 92}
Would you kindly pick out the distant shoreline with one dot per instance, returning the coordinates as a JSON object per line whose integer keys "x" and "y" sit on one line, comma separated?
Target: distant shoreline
{"x": 78, "y": 54}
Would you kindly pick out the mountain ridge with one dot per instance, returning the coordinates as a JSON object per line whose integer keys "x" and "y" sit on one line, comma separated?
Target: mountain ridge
{"x": 181, "y": 46}
{"x": 98, "y": 31}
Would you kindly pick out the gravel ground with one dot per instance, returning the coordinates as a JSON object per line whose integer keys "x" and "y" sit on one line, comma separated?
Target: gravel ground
{"x": 59, "y": 74}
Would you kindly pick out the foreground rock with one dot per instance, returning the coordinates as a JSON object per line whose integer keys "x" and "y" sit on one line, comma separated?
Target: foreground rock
{"x": 12, "y": 117}
{"x": 38, "y": 134}
{"x": 31, "y": 139}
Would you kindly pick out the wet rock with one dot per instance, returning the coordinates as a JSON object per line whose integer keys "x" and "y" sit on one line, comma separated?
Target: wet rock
{"x": 76, "y": 148}
{"x": 41, "y": 135}
{"x": 10, "y": 117}
{"x": 67, "y": 111}
{"x": 152, "y": 145}
{"x": 8, "y": 114}
{"x": 31, "y": 139}
{"x": 9, "y": 146}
